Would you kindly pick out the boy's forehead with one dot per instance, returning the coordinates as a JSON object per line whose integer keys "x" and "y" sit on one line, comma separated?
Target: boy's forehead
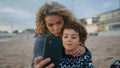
{"x": 69, "y": 30}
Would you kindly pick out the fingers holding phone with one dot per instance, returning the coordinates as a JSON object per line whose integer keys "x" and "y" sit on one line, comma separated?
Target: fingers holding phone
{"x": 40, "y": 62}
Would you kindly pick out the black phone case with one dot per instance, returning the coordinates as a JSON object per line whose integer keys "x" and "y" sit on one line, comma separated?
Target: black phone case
{"x": 53, "y": 49}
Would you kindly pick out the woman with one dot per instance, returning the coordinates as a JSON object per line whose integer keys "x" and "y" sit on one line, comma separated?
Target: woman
{"x": 50, "y": 20}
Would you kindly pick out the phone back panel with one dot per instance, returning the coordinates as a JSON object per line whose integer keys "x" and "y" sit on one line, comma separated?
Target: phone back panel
{"x": 53, "y": 49}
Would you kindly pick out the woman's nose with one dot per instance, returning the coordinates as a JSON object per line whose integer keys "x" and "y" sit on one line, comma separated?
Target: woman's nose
{"x": 55, "y": 28}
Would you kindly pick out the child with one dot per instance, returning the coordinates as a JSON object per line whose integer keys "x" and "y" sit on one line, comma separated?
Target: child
{"x": 74, "y": 35}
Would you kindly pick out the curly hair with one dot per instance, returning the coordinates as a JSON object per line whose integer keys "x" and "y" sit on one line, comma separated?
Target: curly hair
{"x": 78, "y": 27}
{"x": 52, "y": 8}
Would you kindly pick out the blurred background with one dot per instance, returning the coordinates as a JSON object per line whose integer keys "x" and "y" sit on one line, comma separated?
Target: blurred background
{"x": 17, "y": 29}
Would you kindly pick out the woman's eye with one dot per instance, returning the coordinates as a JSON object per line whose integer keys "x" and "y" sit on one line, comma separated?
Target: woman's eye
{"x": 50, "y": 25}
{"x": 59, "y": 23}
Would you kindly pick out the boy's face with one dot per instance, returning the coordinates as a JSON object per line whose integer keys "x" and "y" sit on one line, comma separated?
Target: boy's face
{"x": 70, "y": 39}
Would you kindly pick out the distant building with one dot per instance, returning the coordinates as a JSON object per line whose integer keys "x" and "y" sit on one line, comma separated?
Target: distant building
{"x": 91, "y": 24}
{"x": 107, "y": 21}
{"x": 83, "y": 21}
{"x": 111, "y": 20}
{"x": 3, "y": 32}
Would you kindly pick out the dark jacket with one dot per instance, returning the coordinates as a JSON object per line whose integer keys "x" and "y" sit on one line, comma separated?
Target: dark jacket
{"x": 82, "y": 61}
{"x": 39, "y": 45}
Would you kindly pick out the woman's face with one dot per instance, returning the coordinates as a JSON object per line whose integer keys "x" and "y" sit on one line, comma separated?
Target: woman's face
{"x": 54, "y": 24}
{"x": 70, "y": 39}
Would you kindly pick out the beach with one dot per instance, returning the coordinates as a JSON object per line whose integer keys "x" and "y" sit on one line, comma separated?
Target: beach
{"x": 105, "y": 50}
{"x": 18, "y": 52}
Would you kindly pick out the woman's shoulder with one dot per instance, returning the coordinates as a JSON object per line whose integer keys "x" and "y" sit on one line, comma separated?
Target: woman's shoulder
{"x": 40, "y": 38}
{"x": 88, "y": 52}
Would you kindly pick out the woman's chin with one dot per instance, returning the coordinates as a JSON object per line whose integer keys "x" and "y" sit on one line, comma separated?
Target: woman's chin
{"x": 57, "y": 35}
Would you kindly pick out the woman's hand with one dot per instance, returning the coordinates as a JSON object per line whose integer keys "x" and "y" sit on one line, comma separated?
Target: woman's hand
{"x": 39, "y": 62}
{"x": 79, "y": 50}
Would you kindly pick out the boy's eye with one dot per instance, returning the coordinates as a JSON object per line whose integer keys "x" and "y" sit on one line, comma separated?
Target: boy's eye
{"x": 73, "y": 37}
{"x": 65, "y": 36}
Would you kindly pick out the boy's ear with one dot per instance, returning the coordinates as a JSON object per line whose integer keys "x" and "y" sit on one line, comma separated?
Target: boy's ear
{"x": 80, "y": 43}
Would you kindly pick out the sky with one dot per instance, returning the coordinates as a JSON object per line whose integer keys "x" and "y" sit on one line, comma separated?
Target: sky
{"x": 20, "y": 14}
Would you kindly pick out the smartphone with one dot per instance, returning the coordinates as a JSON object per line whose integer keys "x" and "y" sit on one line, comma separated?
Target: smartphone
{"x": 53, "y": 49}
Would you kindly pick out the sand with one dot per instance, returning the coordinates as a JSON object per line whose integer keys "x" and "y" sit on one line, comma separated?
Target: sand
{"x": 104, "y": 49}
{"x": 18, "y": 52}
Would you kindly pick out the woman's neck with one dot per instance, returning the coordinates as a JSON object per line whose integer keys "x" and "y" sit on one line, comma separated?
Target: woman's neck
{"x": 58, "y": 36}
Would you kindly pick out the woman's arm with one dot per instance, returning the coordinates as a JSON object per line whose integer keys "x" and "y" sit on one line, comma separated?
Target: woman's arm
{"x": 88, "y": 59}
{"x": 38, "y": 48}
{"x": 78, "y": 51}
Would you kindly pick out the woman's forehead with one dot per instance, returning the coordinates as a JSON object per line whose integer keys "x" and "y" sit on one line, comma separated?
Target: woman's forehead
{"x": 53, "y": 18}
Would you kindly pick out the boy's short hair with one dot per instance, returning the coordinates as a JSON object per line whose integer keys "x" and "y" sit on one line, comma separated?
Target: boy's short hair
{"x": 78, "y": 27}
